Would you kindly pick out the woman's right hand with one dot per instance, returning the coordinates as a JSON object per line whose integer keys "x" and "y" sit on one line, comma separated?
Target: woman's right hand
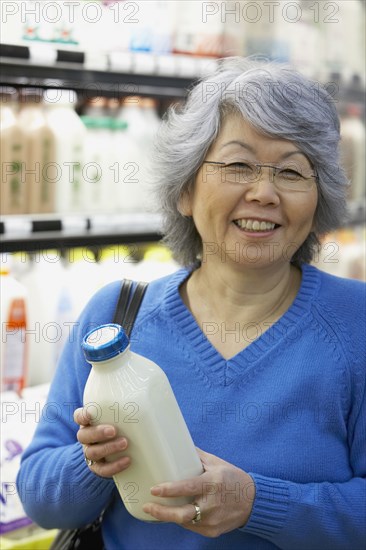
{"x": 99, "y": 442}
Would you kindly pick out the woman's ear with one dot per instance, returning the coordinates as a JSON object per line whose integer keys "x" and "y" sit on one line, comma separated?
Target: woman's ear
{"x": 184, "y": 204}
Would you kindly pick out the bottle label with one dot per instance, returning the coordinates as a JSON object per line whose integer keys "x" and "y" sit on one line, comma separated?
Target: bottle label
{"x": 14, "y": 366}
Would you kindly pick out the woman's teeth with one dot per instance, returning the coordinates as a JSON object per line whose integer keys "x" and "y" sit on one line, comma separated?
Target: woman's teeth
{"x": 255, "y": 225}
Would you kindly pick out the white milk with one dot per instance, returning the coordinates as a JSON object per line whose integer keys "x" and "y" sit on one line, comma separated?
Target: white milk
{"x": 97, "y": 173}
{"x": 13, "y": 192}
{"x": 42, "y": 275}
{"x": 133, "y": 166}
{"x": 69, "y": 135}
{"x": 133, "y": 393}
{"x": 39, "y": 153}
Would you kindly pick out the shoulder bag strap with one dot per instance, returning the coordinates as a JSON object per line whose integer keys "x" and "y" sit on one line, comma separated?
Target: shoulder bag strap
{"x": 127, "y": 309}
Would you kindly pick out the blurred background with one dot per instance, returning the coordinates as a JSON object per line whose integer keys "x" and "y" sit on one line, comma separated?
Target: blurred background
{"x": 82, "y": 91}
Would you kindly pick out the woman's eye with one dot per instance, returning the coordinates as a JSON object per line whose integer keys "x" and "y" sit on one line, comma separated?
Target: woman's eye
{"x": 289, "y": 174}
{"x": 240, "y": 165}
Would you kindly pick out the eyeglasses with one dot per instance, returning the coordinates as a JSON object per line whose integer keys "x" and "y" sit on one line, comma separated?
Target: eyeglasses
{"x": 285, "y": 178}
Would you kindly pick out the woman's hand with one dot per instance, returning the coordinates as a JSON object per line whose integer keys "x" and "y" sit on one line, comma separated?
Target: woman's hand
{"x": 224, "y": 494}
{"x": 100, "y": 442}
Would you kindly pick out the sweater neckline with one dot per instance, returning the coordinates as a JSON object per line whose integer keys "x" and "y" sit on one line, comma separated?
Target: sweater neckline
{"x": 211, "y": 360}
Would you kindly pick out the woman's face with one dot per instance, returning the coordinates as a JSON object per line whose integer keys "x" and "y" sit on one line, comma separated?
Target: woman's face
{"x": 225, "y": 213}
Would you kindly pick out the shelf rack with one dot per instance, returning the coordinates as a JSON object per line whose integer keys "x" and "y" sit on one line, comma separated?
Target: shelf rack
{"x": 118, "y": 74}
{"x": 32, "y": 233}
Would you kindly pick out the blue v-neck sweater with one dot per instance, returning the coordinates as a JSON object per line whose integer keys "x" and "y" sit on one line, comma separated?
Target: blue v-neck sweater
{"x": 289, "y": 409}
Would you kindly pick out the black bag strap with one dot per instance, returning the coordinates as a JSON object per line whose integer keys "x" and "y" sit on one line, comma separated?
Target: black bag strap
{"x": 127, "y": 306}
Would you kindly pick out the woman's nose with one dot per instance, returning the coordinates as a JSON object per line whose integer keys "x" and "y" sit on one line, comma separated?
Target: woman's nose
{"x": 263, "y": 189}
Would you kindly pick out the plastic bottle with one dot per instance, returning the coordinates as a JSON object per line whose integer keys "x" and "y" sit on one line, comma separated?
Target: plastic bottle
{"x": 13, "y": 356}
{"x": 69, "y": 135}
{"x": 133, "y": 393}
{"x": 13, "y": 192}
{"x": 353, "y": 149}
{"x": 133, "y": 172}
{"x": 97, "y": 172}
{"x": 42, "y": 274}
{"x": 196, "y": 33}
{"x": 39, "y": 152}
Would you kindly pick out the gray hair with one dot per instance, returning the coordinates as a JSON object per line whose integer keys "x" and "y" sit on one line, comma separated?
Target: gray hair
{"x": 278, "y": 101}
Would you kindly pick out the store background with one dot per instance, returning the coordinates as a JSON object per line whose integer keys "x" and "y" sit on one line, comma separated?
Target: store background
{"x": 83, "y": 87}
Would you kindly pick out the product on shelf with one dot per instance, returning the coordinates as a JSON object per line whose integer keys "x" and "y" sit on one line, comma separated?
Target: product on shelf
{"x": 12, "y": 149}
{"x": 96, "y": 165}
{"x": 20, "y": 417}
{"x": 41, "y": 274}
{"x": 353, "y": 149}
{"x": 343, "y": 36}
{"x": 143, "y": 122}
{"x": 200, "y": 28}
{"x": 155, "y": 29}
{"x": 40, "y": 152}
{"x": 14, "y": 324}
{"x": 68, "y": 132}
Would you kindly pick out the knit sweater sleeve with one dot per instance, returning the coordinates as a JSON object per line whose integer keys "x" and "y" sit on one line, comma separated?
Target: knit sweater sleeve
{"x": 55, "y": 486}
{"x": 294, "y": 515}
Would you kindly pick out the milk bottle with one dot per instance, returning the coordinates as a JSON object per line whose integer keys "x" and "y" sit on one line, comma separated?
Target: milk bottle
{"x": 97, "y": 174}
{"x": 13, "y": 195}
{"x": 133, "y": 393}
{"x": 133, "y": 169}
{"x": 69, "y": 135}
{"x": 39, "y": 153}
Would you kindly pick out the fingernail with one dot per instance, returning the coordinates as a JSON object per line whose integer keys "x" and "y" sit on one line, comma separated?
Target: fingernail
{"x": 156, "y": 490}
{"x": 109, "y": 432}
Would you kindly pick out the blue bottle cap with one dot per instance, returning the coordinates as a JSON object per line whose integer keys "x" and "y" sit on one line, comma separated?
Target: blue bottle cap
{"x": 104, "y": 342}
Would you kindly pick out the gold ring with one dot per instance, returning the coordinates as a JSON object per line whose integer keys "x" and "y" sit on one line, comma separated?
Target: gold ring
{"x": 197, "y": 516}
{"x": 88, "y": 460}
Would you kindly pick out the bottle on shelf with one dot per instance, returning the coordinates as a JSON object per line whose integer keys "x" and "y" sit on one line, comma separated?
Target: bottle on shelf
{"x": 353, "y": 149}
{"x": 98, "y": 158}
{"x": 12, "y": 147}
{"x": 42, "y": 275}
{"x": 132, "y": 175}
{"x": 13, "y": 351}
{"x": 68, "y": 134}
{"x": 38, "y": 166}
{"x": 133, "y": 393}
{"x": 96, "y": 107}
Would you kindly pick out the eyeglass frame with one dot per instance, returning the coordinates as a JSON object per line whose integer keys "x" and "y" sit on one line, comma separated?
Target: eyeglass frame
{"x": 259, "y": 167}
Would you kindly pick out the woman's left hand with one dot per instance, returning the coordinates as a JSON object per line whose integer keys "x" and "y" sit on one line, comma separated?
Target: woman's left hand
{"x": 224, "y": 494}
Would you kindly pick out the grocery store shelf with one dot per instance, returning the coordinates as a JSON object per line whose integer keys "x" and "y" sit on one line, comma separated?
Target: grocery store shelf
{"x": 120, "y": 73}
{"x": 41, "y": 232}
{"x": 123, "y": 73}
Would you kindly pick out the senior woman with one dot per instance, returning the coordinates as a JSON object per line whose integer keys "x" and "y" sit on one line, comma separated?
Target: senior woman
{"x": 265, "y": 352}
